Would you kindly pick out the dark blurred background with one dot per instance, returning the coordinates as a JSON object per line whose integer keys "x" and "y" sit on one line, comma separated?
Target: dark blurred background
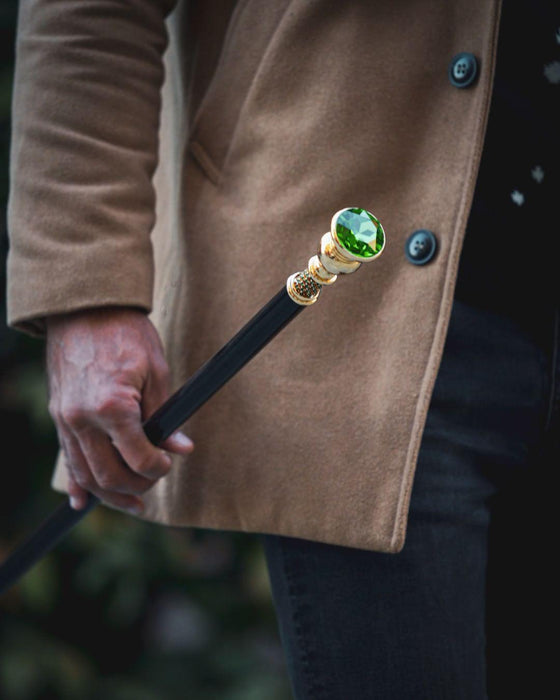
{"x": 122, "y": 609}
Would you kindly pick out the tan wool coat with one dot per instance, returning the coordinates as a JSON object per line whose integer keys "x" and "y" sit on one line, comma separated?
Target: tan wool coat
{"x": 271, "y": 116}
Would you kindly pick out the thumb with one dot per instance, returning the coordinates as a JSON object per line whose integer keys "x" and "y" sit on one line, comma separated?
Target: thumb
{"x": 155, "y": 394}
{"x": 178, "y": 443}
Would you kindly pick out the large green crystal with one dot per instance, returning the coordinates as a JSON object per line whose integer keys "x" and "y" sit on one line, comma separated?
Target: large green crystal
{"x": 359, "y": 232}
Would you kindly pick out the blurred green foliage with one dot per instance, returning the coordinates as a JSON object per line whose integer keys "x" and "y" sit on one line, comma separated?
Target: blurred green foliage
{"x": 122, "y": 609}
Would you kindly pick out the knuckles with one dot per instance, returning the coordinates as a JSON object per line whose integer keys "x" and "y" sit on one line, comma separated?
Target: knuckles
{"x": 113, "y": 407}
{"x": 74, "y": 416}
{"x": 110, "y": 482}
{"x": 54, "y": 410}
{"x": 85, "y": 481}
{"x": 113, "y": 483}
{"x": 109, "y": 408}
{"x": 152, "y": 467}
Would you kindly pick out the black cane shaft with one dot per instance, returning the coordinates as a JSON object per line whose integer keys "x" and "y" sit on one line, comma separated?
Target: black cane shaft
{"x": 45, "y": 538}
{"x": 222, "y": 366}
{"x": 203, "y": 384}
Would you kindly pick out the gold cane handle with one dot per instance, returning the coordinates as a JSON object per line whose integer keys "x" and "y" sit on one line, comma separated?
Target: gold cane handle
{"x": 356, "y": 236}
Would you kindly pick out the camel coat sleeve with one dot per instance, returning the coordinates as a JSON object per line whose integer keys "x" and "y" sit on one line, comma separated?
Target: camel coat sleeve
{"x": 87, "y": 89}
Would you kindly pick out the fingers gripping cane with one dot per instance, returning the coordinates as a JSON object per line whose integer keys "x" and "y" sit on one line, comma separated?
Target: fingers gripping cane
{"x": 356, "y": 236}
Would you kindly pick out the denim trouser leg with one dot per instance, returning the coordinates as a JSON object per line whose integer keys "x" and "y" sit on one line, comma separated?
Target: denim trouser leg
{"x": 357, "y": 624}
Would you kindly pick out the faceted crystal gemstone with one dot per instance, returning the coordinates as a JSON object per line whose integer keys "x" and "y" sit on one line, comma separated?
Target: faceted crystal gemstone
{"x": 359, "y": 232}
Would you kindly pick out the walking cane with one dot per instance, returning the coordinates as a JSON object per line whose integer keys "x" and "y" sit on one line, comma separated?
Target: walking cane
{"x": 356, "y": 236}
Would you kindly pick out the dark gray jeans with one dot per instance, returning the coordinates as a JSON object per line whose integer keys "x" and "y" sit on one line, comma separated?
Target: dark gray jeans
{"x": 462, "y": 613}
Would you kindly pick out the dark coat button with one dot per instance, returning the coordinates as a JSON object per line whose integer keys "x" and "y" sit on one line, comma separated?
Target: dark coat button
{"x": 420, "y": 247}
{"x": 463, "y": 70}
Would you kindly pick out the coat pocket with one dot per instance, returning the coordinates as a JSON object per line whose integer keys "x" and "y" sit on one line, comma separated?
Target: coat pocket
{"x": 250, "y": 31}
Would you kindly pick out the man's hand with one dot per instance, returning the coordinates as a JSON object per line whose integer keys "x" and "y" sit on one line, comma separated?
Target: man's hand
{"x": 107, "y": 374}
